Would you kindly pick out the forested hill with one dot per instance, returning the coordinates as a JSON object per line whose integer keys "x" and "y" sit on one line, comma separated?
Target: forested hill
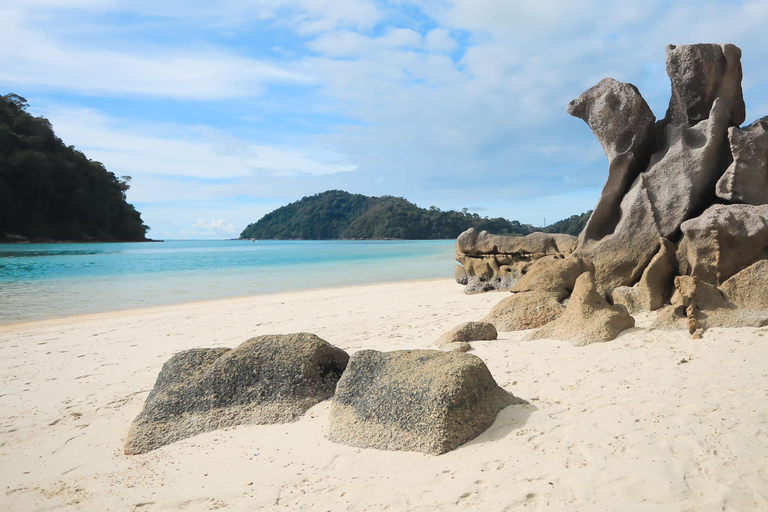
{"x": 50, "y": 191}
{"x": 336, "y": 214}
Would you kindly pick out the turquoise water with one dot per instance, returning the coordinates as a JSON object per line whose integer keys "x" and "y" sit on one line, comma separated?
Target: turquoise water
{"x": 40, "y": 281}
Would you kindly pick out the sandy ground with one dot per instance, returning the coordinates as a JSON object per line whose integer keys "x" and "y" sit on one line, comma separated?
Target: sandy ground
{"x": 652, "y": 421}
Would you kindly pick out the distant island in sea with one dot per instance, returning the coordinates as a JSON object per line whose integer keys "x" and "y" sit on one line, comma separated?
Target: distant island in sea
{"x": 52, "y": 192}
{"x": 339, "y": 215}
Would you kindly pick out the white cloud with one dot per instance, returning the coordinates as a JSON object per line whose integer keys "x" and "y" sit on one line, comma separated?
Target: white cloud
{"x": 213, "y": 228}
{"x": 32, "y": 57}
{"x": 192, "y": 152}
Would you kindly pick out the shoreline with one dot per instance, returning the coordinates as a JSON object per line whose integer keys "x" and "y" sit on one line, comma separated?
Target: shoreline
{"x": 652, "y": 420}
{"x": 237, "y": 298}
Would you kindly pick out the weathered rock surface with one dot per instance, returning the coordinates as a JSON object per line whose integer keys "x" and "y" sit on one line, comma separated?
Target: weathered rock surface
{"x": 457, "y": 338}
{"x": 701, "y": 73}
{"x": 623, "y": 123}
{"x": 526, "y": 310}
{"x": 698, "y": 305}
{"x": 268, "y": 379}
{"x": 723, "y": 240}
{"x": 415, "y": 400}
{"x": 493, "y": 262}
{"x": 552, "y": 274}
{"x": 588, "y": 317}
{"x": 748, "y": 288}
{"x": 620, "y": 258}
{"x": 746, "y": 179}
{"x": 655, "y": 285}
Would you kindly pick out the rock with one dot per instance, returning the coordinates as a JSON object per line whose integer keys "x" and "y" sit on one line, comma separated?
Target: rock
{"x": 620, "y": 258}
{"x": 698, "y": 305}
{"x": 748, "y": 288}
{"x": 552, "y": 274}
{"x": 700, "y": 74}
{"x": 526, "y": 310}
{"x": 493, "y": 262}
{"x": 655, "y": 285}
{"x": 268, "y": 379}
{"x": 623, "y": 123}
{"x": 414, "y": 400}
{"x": 683, "y": 173}
{"x": 456, "y": 338}
{"x": 588, "y": 317}
{"x": 722, "y": 241}
{"x": 460, "y": 275}
{"x": 746, "y": 179}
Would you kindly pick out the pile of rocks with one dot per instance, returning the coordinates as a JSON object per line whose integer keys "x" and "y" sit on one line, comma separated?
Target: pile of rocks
{"x": 682, "y": 222}
{"x": 420, "y": 400}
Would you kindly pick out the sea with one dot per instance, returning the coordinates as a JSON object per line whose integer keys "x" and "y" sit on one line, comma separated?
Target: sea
{"x": 40, "y": 281}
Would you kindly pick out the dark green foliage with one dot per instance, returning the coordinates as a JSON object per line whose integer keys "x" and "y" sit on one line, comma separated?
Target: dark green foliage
{"x": 336, "y": 214}
{"x": 51, "y": 191}
{"x": 570, "y": 226}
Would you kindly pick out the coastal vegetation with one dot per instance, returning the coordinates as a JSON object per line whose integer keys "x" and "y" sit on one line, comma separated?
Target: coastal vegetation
{"x": 51, "y": 191}
{"x": 336, "y": 214}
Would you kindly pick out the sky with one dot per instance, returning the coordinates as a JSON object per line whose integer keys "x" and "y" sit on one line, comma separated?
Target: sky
{"x": 221, "y": 111}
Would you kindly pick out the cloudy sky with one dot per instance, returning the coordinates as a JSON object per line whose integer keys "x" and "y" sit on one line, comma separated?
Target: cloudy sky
{"x": 223, "y": 110}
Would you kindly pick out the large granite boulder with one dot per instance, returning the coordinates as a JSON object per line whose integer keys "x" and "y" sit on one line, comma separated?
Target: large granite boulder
{"x": 748, "y": 288}
{"x": 268, "y": 379}
{"x": 493, "y": 262}
{"x": 701, "y": 73}
{"x": 526, "y": 310}
{"x": 459, "y": 337}
{"x": 552, "y": 274}
{"x": 415, "y": 400}
{"x": 746, "y": 179}
{"x": 588, "y": 318}
{"x": 723, "y": 240}
{"x": 623, "y": 123}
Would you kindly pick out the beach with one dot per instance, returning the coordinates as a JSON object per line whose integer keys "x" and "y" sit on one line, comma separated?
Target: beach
{"x": 651, "y": 421}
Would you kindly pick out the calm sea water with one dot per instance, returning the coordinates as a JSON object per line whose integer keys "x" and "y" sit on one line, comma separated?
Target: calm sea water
{"x": 51, "y": 280}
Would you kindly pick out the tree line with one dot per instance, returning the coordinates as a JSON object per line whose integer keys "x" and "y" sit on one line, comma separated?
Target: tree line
{"x": 51, "y": 191}
{"x": 336, "y": 214}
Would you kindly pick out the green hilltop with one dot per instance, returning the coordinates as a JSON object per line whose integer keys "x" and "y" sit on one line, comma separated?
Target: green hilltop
{"x": 336, "y": 214}
{"x": 50, "y": 191}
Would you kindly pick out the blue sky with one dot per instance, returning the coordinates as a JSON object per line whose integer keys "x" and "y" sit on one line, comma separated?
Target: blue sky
{"x": 222, "y": 111}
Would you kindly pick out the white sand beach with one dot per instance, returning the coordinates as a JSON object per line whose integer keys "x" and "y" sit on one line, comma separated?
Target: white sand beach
{"x": 652, "y": 421}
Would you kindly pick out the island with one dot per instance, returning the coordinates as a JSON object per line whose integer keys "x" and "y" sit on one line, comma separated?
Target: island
{"x": 52, "y": 192}
{"x": 336, "y": 214}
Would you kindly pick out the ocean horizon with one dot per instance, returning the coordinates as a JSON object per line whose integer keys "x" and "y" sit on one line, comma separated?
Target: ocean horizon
{"x": 40, "y": 281}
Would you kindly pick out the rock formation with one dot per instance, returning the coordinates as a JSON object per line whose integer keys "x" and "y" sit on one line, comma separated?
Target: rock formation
{"x": 684, "y": 209}
{"x": 746, "y": 179}
{"x": 457, "y": 338}
{"x": 415, "y": 400}
{"x": 588, "y": 318}
{"x": 269, "y": 379}
{"x": 493, "y": 262}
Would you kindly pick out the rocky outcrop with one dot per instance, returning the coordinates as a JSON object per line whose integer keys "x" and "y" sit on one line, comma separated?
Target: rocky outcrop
{"x": 526, "y": 310}
{"x": 722, "y": 241}
{"x": 588, "y": 317}
{"x": 660, "y": 226}
{"x": 700, "y": 74}
{"x": 655, "y": 285}
{"x": 268, "y": 379}
{"x": 623, "y": 123}
{"x": 748, "y": 289}
{"x": 415, "y": 400}
{"x": 698, "y": 305}
{"x": 746, "y": 179}
{"x": 458, "y": 338}
{"x": 493, "y": 262}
